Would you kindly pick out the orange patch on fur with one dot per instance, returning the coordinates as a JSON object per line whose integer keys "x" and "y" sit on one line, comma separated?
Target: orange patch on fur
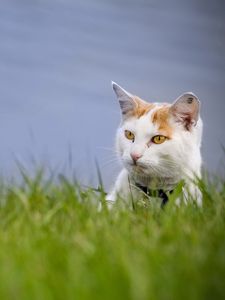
{"x": 161, "y": 118}
{"x": 142, "y": 107}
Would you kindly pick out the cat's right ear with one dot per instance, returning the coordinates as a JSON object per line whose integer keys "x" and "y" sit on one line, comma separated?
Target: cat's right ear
{"x": 126, "y": 100}
{"x": 185, "y": 110}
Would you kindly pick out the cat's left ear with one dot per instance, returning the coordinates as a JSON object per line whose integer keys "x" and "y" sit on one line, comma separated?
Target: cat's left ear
{"x": 186, "y": 110}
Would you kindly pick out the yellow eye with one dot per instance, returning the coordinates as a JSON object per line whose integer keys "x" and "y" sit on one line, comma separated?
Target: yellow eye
{"x": 129, "y": 135}
{"x": 158, "y": 139}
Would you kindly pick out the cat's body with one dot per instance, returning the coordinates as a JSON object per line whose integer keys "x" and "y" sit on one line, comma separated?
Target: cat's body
{"x": 159, "y": 145}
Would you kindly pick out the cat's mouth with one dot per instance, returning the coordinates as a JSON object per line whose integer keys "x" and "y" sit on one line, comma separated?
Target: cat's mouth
{"x": 137, "y": 166}
{"x": 143, "y": 169}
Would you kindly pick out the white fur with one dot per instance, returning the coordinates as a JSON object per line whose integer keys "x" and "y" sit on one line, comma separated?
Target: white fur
{"x": 162, "y": 166}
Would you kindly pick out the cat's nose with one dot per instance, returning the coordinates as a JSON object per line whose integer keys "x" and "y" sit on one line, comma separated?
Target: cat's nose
{"x": 135, "y": 156}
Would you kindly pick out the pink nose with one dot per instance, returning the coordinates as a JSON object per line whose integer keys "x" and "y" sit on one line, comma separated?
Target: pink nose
{"x": 135, "y": 156}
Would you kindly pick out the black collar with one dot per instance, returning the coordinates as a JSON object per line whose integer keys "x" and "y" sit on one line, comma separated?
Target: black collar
{"x": 155, "y": 193}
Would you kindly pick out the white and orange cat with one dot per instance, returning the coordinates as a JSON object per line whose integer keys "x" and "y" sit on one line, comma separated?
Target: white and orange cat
{"x": 159, "y": 145}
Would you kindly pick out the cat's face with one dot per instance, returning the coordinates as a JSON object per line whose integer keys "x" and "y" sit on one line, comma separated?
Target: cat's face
{"x": 157, "y": 140}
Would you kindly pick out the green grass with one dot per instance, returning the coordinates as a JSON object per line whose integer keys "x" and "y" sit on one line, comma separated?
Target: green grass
{"x": 55, "y": 244}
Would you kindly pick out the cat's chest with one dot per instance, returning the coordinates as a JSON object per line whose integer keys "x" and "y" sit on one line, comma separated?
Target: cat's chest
{"x": 154, "y": 183}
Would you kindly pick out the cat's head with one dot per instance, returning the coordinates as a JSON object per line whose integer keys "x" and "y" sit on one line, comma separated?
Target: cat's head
{"x": 159, "y": 139}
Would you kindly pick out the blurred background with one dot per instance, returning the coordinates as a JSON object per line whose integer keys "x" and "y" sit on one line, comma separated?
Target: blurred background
{"x": 57, "y": 60}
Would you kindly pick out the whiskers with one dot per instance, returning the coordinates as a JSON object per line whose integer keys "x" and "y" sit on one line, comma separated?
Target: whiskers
{"x": 169, "y": 165}
{"x": 165, "y": 168}
{"x": 111, "y": 159}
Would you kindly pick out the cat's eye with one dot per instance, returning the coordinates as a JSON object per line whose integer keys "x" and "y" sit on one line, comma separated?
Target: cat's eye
{"x": 129, "y": 135}
{"x": 158, "y": 139}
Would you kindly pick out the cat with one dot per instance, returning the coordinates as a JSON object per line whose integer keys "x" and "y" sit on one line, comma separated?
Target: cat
{"x": 159, "y": 146}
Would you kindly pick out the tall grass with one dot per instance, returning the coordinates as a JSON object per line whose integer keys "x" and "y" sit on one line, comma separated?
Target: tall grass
{"x": 56, "y": 244}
